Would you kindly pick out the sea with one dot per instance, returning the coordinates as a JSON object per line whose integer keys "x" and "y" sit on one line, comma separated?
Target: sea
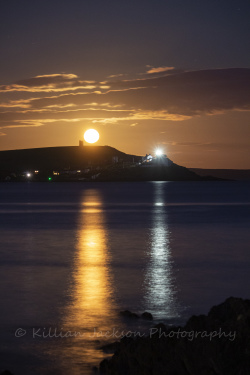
{"x": 74, "y": 255}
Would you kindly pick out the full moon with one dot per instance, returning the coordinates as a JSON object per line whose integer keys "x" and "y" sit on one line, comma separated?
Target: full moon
{"x": 91, "y": 136}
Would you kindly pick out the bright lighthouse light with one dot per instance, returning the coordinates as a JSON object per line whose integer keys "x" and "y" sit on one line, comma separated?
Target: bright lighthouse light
{"x": 158, "y": 152}
{"x": 91, "y": 136}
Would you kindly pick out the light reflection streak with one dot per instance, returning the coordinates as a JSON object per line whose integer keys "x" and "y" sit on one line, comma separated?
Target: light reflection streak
{"x": 92, "y": 293}
{"x": 160, "y": 289}
{"x": 92, "y": 308}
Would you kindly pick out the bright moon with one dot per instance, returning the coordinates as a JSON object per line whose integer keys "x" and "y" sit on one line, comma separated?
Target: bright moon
{"x": 91, "y": 136}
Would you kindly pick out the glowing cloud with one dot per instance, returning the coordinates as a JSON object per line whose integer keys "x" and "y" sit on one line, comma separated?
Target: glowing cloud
{"x": 160, "y": 69}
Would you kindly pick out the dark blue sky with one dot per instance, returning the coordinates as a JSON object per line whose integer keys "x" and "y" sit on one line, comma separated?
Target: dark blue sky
{"x": 97, "y": 38}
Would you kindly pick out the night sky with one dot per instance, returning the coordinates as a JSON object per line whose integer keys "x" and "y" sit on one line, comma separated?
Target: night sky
{"x": 145, "y": 74}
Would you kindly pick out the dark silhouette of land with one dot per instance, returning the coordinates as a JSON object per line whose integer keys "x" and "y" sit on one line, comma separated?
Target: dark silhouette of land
{"x": 151, "y": 173}
{"x": 88, "y": 163}
{"x": 228, "y": 174}
{"x": 55, "y": 158}
{"x": 211, "y": 344}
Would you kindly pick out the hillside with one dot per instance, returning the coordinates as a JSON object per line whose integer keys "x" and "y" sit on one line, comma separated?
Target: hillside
{"x": 228, "y": 174}
{"x": 154, "y": 173}
{"x": 54, "y": 158}
{"x": 88, "y": 163}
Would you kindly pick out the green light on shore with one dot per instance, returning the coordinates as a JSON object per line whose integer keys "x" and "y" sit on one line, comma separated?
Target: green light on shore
{"x": 49, "y": 178}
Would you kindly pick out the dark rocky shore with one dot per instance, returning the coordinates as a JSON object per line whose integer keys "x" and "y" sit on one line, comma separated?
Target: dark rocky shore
{"x": 213, "y": 344}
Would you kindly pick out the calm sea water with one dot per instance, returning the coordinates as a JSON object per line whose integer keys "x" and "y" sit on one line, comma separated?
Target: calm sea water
{"x": 74, "y": 255}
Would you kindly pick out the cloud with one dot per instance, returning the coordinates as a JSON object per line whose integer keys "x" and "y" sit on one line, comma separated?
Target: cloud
{"x": 188, "y": 93}
{"x": 172, "y": 97}
{"x": 208, "y": 146}
{"x": 117, "y": 75}
{"x": 49, "y": 83}
{"x": 58, "y": 76}
{"x": 44, "y": 114}
{"x": 160, "y": 69}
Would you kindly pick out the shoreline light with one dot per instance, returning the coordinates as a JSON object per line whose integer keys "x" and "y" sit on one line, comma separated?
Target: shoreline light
{"x": 158, "y": 152}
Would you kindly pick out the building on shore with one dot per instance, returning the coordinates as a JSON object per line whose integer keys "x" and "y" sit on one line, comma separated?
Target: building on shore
{"x": 160, "y": 160}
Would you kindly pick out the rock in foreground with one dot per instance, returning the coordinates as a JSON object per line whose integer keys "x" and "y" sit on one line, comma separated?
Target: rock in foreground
{"x": 216, "y": 344}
